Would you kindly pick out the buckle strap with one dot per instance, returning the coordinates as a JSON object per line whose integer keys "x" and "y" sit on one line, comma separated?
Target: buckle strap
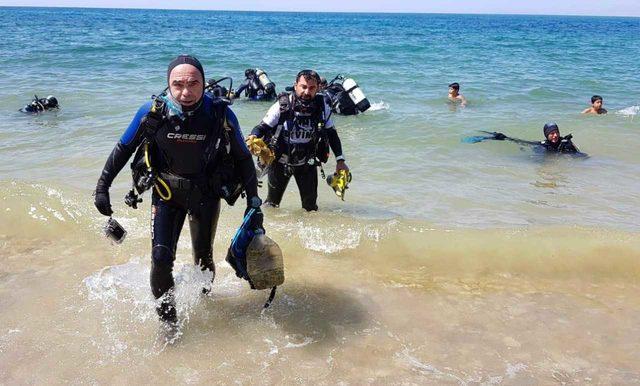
{"x": 177, "y": 181}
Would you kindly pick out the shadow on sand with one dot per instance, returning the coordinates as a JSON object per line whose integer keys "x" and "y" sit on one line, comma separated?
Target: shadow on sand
{"x": 320, "y": 313}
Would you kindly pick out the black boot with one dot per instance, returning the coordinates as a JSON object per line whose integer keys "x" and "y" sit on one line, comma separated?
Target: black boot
{"x": 207, "y": 264}
{"x": 167, "y": 311}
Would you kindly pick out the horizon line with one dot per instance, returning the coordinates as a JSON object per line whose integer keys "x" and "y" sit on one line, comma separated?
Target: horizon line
{"x": 326, "y": 12}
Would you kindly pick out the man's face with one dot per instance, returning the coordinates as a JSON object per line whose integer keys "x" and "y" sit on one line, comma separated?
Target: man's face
{"x": 597, "y": 104}
{"x": 186, "y": 84}
{"x": 306, "y": 88}
{"x": 554, "y": 136}
{"x": 453, "y": 91}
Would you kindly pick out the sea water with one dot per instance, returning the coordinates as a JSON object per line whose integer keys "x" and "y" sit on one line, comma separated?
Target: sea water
{"x": 448, "y": 262}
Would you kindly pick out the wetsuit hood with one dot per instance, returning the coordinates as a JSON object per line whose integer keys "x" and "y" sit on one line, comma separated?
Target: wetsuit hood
{"x": 549, "y": 128}
{"x": 192, "y": 60}
{"x": 185, "y": 59}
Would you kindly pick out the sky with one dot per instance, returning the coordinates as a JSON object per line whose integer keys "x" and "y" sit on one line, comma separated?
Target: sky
{"x": 537, "y": 7}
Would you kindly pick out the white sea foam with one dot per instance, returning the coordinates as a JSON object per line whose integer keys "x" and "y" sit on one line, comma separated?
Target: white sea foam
{"x": 329, "y": 240}
{"x": 513, "y": 370}
{"x": 424, "y": 368}
{"x": 629, "y": 111}
{"x": 377, "y": 106}
{"x": 299, "y": 341}
{"x": 122, "y": 294}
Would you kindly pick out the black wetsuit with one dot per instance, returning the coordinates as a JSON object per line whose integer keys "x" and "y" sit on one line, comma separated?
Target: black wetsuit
{"x": 296, "y": 148}
{"x": 564, "y": 145}
{"x": 182, "y": 150}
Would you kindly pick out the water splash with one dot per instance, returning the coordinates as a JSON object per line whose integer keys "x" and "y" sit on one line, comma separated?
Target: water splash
{"x": 378, "y": 106}
{"x": 122, "y": 294}
{"x": 630, "y": 111}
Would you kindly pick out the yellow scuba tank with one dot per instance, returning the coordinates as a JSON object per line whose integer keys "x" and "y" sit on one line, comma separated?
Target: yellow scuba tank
{"x": 339, "y": 182}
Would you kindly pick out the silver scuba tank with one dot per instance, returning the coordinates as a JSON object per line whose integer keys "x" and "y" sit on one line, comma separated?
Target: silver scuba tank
{"x": 356, "y": 94}
{"x": 264, "y": 79}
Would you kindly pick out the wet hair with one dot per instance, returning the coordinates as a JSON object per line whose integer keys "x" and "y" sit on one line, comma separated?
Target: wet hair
{"x": 455, "y": 86}
{"x": 596, "y": 98}
{"x": 249, "y": 72}
{"x": 308, "y": 74}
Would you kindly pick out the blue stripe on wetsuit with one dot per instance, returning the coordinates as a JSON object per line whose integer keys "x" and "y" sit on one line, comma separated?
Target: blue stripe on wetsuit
{"x": 129, "y": 134}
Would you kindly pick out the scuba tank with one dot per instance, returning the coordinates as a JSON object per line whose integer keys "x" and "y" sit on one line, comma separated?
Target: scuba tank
{"x": 266, "y": 83}
{"x": 356, "y": 94}
{"x": 38, "y": 105}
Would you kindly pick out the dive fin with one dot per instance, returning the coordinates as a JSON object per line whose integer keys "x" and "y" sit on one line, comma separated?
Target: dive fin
{"x": 479, "y": 138}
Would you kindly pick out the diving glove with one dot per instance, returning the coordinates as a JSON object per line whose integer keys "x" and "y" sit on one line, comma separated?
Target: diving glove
{"x": 102, "y": 201}
{"x": 257, "y": 219}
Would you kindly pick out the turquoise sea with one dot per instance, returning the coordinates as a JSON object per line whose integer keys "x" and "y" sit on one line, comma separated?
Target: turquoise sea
{"x": 448, "y": 262}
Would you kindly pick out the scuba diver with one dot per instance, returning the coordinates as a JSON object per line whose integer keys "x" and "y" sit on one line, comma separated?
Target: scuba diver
{"x": 554, "y": 143}
{"x": 192, "y": 152}
{"x": 39, "y": 105}
{"x": 344, "y": 96}
{"x": 299, "y": 130}
{"x": 217, "y": 90}
{"x": 257, "y": 86}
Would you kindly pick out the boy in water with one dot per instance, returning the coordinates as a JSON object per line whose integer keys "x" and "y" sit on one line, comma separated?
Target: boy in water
{"x": 455, "y": 96}
{"x": 596, "y": 106}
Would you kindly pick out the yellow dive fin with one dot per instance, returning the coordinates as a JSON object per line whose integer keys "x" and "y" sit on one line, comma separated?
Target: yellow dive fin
{"x": 339, "y": 182}
{"x": 261, "y": 150}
